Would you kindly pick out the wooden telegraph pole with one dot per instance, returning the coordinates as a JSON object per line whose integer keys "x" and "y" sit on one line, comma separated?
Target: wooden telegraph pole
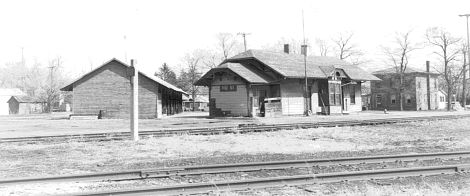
{"x": 134, "y": 102}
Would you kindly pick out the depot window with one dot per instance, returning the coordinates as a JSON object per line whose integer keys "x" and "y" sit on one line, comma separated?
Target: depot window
{"x": 335, "y": 93}
{"x": 228, "y": 88}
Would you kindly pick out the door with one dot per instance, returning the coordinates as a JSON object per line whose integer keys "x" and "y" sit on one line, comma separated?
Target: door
{"x": 346, "y": 104}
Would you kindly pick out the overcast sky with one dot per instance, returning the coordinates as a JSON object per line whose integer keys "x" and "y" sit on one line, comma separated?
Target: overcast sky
{"x": 88, "y": 33}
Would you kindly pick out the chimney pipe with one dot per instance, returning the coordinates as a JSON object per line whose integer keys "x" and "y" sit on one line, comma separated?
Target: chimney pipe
{"x": 428, "y": 85}
{"x": 286, "y": 48}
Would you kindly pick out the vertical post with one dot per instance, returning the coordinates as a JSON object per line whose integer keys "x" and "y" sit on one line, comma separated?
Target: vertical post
{"x": 134, "y": 102}
{"x": 428, "y": 84}
{"x": 304, "y": 52}
{"x": 243, "y": 34}
{"x": 244, "y": 40}
{"x": 464, "y": 97}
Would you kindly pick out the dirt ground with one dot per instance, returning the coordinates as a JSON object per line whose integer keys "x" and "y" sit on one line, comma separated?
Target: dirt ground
{"x": 58, "y": 123}
{"x": 83, "y": 157}
{"x": 20, "y": 160}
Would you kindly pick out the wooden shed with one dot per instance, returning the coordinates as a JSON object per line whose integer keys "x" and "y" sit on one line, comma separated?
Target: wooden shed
{"x": 106, "y": 91}
{"x": 23, "y": 105}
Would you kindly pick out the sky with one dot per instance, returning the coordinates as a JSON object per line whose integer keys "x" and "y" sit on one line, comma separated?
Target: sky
{"x": 87, "y": 33}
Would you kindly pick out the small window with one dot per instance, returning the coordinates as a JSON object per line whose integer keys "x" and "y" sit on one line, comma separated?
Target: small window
{"x": 393, "y": 99}
{"x": 378, "y": 99}
{"x": 335, "y": 93}
{"x": 227, "y": 88}
{"x": 419, "y": 84}
{"x": 408, "y": 99}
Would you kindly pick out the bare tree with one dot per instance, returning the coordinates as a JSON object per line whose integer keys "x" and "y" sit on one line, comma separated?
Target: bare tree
{"x": 191, "y": 74}
{"x": 211, "y": 59}
{"x": 227, "y": 44}
{"x": 323, "y": 47}
{"x": 398, "y": 56}
{"x": 447, "y": 50}
{"x": 51, "y": 91}
{"x": 464, "y": 75}
{"x": 346, "y": 49}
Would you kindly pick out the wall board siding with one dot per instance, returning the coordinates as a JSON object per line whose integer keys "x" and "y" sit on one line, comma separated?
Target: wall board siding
{"x": 108, "y": 89}
{"x": 234, "y": 102}
{"x": 292, "y": 97}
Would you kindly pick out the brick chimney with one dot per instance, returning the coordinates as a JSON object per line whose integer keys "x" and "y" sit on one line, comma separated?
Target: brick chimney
{"x": 286, "y": 48}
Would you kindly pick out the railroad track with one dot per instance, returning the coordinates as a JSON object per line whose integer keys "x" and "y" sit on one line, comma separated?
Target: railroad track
{"x": 222, "y": 130}
{"x": 288, "y": 181}
{"x": 259, "y": 166}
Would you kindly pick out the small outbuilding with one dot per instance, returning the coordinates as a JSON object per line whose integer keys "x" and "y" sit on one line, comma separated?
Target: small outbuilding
{"x": 24, "y": 105}
{"x": 106, "y": 91}
{"x": 5, "y": 95}
{"x": 201, "y": 103}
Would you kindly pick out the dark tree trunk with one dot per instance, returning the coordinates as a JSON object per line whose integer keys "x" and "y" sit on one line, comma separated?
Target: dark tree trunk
{"x": 449, "y": 99}
{"x": 400, "y": 90}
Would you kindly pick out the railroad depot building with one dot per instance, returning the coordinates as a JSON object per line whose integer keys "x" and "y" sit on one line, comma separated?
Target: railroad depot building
{"x": 257, "y": 83}
{"x": 106, "y": 91}
{"x": 421, "y": 90}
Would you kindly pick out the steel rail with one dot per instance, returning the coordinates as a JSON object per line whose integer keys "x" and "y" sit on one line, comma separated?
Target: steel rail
{"x": 237, "y": 167}
{"x": 288, "y": 181}
{"x": 223, "y": 130}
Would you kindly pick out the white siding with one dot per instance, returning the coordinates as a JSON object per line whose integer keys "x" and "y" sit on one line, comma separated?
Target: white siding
{"x": 358, "y": 106}
{"x": 292, "y": 97}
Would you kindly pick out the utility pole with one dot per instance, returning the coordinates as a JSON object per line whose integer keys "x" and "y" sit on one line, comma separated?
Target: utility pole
{"x": 243, "y": 34}
{"x": 464, "y": 86}
{"x": 134, "y": 101}
{"x": 51, "y": 88}
{"x": 304, "y": 52}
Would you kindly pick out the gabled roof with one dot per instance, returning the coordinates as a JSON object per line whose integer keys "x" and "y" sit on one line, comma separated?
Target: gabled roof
{"x": 249, "y": 74}
{"x": 25, "y": 99}
{"x": 69, "y": 87}
{"x": 292, "y": 65}
{"x": 394, "y": 70}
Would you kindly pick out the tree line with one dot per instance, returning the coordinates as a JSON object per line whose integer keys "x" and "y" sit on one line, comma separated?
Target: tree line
{"x": 42, "y": 83}
{"x": 448, "y": 52}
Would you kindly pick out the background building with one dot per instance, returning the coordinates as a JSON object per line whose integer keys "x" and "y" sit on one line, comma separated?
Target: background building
{"x": 419, "y": 93}
{"x": 23, "y": 105}
{"x": 5, "y": 95}
{"x": 107, "y": 91}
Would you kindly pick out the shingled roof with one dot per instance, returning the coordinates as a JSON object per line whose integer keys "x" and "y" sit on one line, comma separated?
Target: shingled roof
{"x": 69, "y": 87}
{"x": 249, "y": 74}
{"x": 292, "y": 65}
{"x": 25, "y": 99}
